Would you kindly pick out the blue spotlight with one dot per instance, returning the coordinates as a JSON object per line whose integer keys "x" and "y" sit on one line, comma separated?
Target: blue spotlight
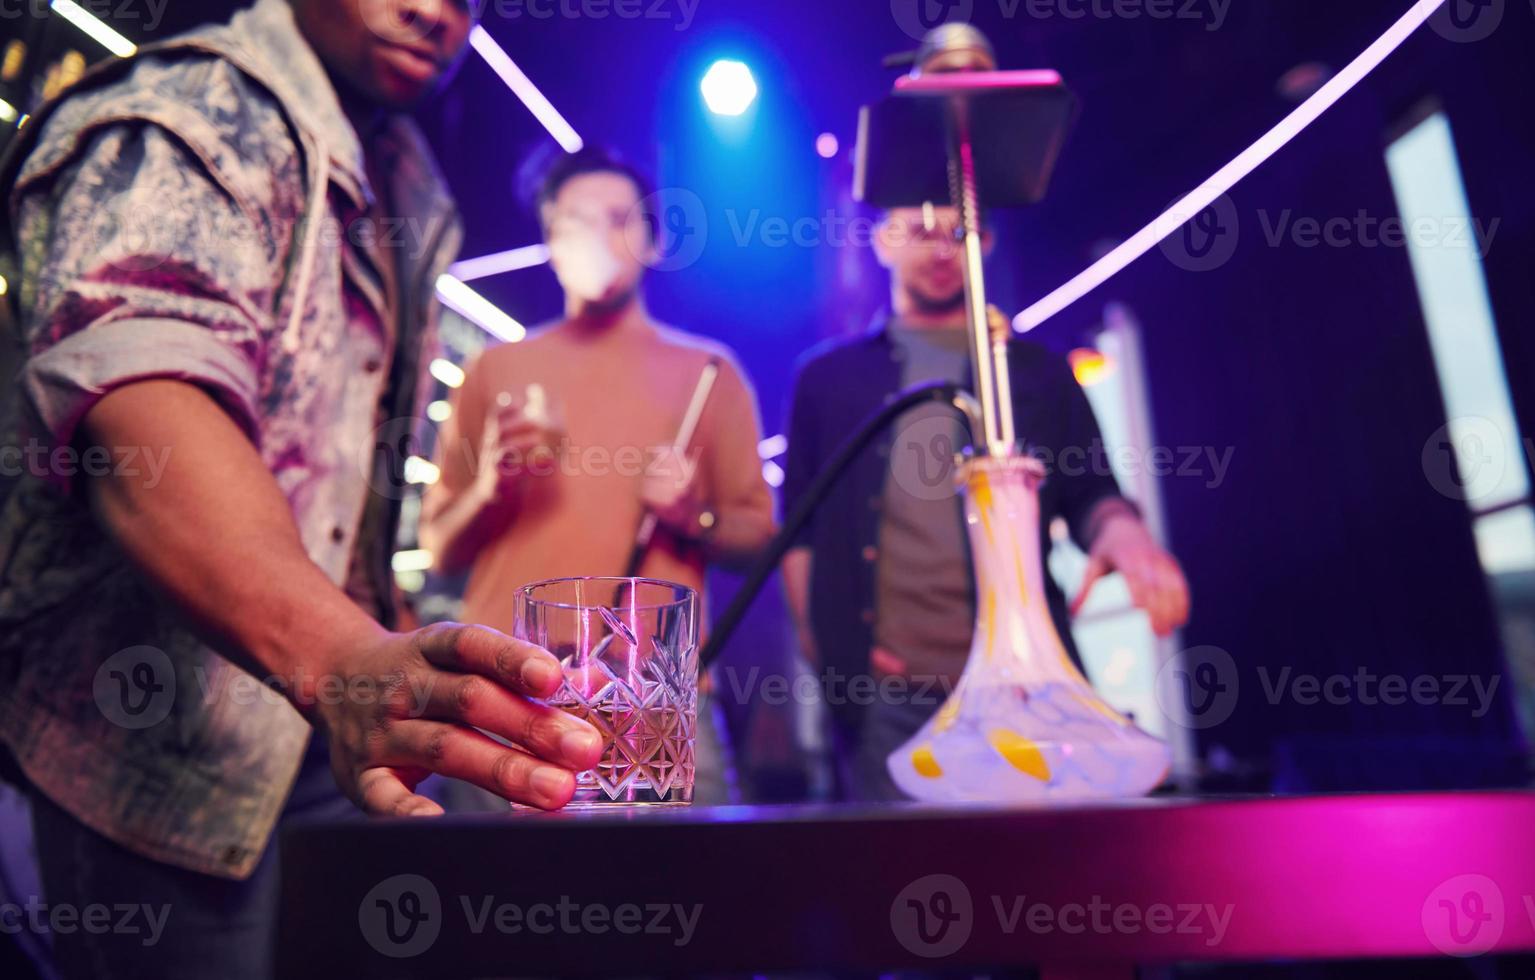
{"x": 729, "y": 88}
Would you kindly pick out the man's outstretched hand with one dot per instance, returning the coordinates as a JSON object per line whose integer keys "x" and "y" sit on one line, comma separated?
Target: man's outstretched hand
{"x": 432, "y": 690}
{"x": 218, "y": 538}
{"x": 1156, "y": 582}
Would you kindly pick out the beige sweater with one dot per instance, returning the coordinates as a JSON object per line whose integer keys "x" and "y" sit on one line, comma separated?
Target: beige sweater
{"x": 621, "y": 396}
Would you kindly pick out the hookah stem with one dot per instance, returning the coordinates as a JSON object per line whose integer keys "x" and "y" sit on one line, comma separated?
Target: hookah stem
{"x": 988, "y": 351}
{"x": 814, "y": 495}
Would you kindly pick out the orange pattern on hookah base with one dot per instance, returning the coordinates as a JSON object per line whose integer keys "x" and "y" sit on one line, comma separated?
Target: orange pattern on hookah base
{"x": 1020, "y": 753}
{"x": 1023, "y": 724}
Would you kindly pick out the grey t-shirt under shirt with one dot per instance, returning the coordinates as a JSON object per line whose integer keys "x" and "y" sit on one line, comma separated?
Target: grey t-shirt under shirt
{"x": 924, "y": 596}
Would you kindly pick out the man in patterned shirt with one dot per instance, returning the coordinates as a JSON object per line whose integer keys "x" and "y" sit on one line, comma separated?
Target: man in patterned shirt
{"x": 215, "y": 322}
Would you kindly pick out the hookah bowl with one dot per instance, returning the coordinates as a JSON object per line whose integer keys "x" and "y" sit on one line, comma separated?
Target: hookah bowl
{"x": 1023, "y": 724}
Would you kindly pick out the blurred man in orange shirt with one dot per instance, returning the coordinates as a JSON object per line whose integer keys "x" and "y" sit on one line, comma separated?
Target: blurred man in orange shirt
{"x": 559, "y": 446}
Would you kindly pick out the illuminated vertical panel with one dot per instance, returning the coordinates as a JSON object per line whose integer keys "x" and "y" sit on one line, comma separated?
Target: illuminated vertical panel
{"x": 1446, "y": 246}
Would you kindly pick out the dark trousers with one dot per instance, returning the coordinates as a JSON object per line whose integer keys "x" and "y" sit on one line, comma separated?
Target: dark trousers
{"x": 185, "y": 924}
{"x": 860, "y": 753}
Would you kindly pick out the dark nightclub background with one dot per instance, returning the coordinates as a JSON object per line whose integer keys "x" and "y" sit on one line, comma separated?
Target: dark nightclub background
{"x": 1338, "y": 544}
{"x": 1330, "y": 546}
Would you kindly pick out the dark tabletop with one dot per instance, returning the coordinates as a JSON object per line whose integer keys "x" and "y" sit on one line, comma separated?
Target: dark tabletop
{"x": 738, "y": 889}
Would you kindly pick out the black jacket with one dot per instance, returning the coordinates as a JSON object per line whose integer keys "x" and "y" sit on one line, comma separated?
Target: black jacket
{"x": 841, "y": 383}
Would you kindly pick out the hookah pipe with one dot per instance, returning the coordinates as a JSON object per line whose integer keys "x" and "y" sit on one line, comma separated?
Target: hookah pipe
{"x": 1023, "y": 724}
{"x": 949, "y": 43}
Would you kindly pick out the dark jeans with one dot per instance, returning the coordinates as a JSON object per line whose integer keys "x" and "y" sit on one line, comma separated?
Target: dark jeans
{"x": 860, "y": 755}
{"x": 184, "y": 924}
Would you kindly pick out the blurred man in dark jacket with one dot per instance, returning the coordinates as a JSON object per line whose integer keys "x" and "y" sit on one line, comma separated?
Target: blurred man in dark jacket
{"x": 881, "y": 580}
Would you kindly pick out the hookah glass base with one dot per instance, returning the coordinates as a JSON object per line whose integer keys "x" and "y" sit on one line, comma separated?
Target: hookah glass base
{"x": 1023, "y": 724}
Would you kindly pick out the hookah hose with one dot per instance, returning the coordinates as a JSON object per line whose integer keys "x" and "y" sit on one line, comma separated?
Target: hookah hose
{"x": 946, "y": 392}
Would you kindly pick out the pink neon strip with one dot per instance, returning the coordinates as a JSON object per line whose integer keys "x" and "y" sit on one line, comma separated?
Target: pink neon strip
{"x": 478, "y": 310}
{"x": 950, "y": 82}
{"x": 543, "y": 110}
{"x": 1227, "y": 177}
{"x": 513, "y": 260}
